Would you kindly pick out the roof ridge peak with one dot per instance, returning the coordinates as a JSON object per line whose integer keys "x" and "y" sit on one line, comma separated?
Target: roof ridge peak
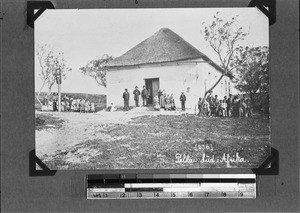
{"x": 163, "y": 46}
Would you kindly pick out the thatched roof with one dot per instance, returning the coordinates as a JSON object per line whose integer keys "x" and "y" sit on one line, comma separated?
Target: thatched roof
{"x": 163, "y": 46}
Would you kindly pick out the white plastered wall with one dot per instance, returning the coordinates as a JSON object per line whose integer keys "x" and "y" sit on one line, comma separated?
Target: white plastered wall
{"x": 173, "y": 77}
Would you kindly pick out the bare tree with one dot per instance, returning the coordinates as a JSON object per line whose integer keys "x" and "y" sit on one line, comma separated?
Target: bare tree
{"x": 223, "y": 36}
{"x": 50, "y": 62}
{"x": 97, "y": 70}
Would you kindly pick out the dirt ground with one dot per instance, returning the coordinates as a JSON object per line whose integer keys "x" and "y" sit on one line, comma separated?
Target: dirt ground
{"x": 143, "y": 139}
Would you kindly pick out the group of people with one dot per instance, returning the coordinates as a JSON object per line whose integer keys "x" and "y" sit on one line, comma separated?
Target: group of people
{"x": 69, "y": 104}
{"x": 164, "y": 101}
{"x": 145, "y": 94}
{"x": 161, "y": 101}
{"x": 226, "y": 107}
{"x": 231, "y": 106}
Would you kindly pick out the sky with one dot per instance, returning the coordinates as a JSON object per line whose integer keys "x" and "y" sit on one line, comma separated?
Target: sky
{"x": 85, "y": 34}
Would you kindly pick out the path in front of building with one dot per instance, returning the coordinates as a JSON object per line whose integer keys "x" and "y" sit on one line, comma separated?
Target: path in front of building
{"x": 79, "y": 127}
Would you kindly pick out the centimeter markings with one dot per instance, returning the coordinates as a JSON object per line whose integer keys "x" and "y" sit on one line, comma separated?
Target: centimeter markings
{"x": 177, "y": 192}
{"x": 136, "y": 186}
{"x": 137, "y": 195}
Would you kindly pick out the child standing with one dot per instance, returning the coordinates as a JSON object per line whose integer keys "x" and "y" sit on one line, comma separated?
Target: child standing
{"x": 156, "y": 103}
{"x": 92, "y": 107}
{"x": 224, "y": 108}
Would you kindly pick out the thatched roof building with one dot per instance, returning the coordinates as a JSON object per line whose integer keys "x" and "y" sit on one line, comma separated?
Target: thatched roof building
{"x": 163, "y": 46}
{"x": 168, "y": 62}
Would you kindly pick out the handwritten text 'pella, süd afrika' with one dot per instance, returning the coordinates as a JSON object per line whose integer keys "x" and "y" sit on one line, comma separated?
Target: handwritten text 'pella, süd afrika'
{"x": 226, "y": 158}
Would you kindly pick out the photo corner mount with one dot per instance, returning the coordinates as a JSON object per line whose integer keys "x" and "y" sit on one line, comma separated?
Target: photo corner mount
{"x": 33, "y": 162}
{"x": 268, "y": 7}
{"x": 270, "y": 166}
{"x": 41, "y": 6}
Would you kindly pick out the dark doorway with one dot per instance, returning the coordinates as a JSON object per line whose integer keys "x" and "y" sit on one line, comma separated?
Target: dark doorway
{"x": 152, "y": 85}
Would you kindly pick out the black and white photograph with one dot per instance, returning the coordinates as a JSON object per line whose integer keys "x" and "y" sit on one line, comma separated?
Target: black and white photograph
{"x": 152, "y": 88}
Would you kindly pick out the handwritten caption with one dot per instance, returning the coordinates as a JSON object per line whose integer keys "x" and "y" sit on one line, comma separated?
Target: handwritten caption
{"x": 209, "y": 158}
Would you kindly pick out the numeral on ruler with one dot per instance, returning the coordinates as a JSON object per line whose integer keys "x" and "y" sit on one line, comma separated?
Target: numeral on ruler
{"x": 97, "y": 195}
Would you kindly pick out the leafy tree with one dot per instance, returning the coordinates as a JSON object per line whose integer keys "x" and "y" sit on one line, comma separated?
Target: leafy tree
{"x": 97, "y": 70}
{"x": 223, "y": 36}
{"x": 50, "y": 62}
{"x": 252, "y": 72}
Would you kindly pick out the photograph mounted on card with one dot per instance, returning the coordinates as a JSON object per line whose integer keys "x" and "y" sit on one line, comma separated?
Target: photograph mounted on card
{"x": 152, "y": 88}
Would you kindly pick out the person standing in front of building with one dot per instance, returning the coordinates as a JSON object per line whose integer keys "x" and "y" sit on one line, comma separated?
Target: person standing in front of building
{"x": 182, "y": 100}
{"x": 136, "y": 93}
{"x": 145, "y": 96}
{"x": 126, "y": 100}
{"x": 199, "y": 106}
{"x": 162, "y": 101}
{"x": 54, "y": 105}
{"x": 229, "y": 106}
{"x": 92, "y": 107}
{"x": 206, "y": 109}
{"x": 159, "y": 93}
{"x": 167, "y": 103}
{"x": 150, "y": 98}
{"x": 211, "y": 103}
{"x": 235, "y": 106}
{"x": 216, "y": 106}
{"x": 82, "y": 103}
{"x": 55, "y": 102}
{"x": 173, "y": 107}
{"x": 224, "y": 107}
{"x": 156, "y": 103}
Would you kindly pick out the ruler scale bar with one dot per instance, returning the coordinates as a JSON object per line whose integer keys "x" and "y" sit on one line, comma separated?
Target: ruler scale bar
{"x": 209, "y": 194}
{"x": 153, "y": 186}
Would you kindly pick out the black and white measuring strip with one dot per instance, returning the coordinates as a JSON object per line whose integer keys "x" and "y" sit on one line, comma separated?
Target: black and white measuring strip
{"x": 171, "y": 186}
